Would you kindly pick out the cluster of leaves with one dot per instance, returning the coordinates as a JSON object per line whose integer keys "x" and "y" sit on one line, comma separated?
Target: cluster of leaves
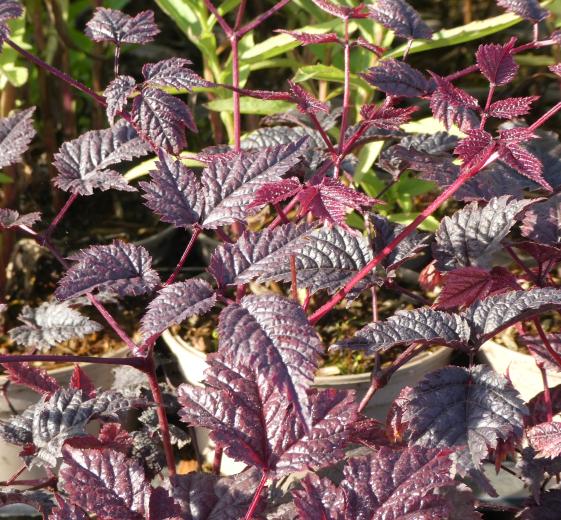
{"x": 258, "y": 399}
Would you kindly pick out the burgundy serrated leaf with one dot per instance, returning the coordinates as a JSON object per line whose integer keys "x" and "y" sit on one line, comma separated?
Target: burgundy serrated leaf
{"x": 528, "y": 9}
{"x": 275, "y": 192}
{"x": 542, "y": 221}
{"x": 122, "y": 268}
{"x": 457, "y": 406}
{"x": 539, "y": 407}
{"x": 397, "y": 78}
{"x": 84, "y": 163}
{"x": 311, "y": 38}
{"x": 173, "y": 192}
{"x": 276, "y": 339}
{"x": 175, "y": 73}
{"x": 32, "y": 377}
{"x": 496, "y": 62}
{"x": 365, "y": 44}
{"x": 116, "y": 95}
{"x": 545, "y": 438}
{"x": 16, "y": 132}
{"x": 175, "y": 303}
{"x": 163, "y": 119}
{"x": 523, "y": 161}
{"x": 477, "y": 143}
{"x": 9, "y": 9}
{"x": 111, "y": 25}
{"x": 453, "y": 106}
{"x": 67, "y": 511}
{"x": 305, "y": 102}
{"x": 511, "y": 107}
{"x": 401, "y": 18}
{"x": 340, "y": 11}
{"x": 390, "y": 118}
{"x": 10, "y": 218}
{"x": 81, "y": 381}
{"x": 319, "y": 498}
{"x": 539, "y": 351}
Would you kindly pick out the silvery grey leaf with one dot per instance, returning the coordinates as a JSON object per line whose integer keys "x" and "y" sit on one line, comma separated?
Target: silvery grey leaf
{"x": 16, "y": 132}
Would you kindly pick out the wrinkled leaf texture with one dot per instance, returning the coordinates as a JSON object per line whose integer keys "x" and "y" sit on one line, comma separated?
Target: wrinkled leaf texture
{"x": 400, "y": 17}
{"x": 397, "y": 78}
{"x": 10, "y": 218}
{"x": 545, "y": 438}
{"x": 528, "y": 9}
{"x": 111, "y": 25}
{"x": 496, "y": 62}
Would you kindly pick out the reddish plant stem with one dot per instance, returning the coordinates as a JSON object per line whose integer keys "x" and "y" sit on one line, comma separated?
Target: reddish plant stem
{"x": 521, "y": 264}
{"x": 256, "y": 497}
{"x": 135, "y": 362}
{"x": 546, "y": 342}
{"x": 294, "y": 284}
{"x": 307, "y": 300}
{"x": 346, "y": 90}
{"x": 195, "y": 234}
{"x": 162, "y": 417}
{"x": 281, "y": 213}
{"x": 225, "y": 27}
{"x": 546, "y": 392}
{"x": 406, "y": 51}
{"x": 60, "y": 215}
{"x": 374, "y": 295}
{"x": 14, "y": 477}
{"x": 239, "y": 14}
{"x": 550, "y": 113}
{"x": 217, "y": 461}
{"x": 487, "y": 159}
{"x": 261, "y": 18}
{"x": 490, "y": 95}
{"x": 236, "y": 83}
{"x": 323, "y": 134}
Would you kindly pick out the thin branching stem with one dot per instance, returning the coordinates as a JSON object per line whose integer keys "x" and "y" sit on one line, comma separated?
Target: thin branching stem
{"x": 256, "y": 497}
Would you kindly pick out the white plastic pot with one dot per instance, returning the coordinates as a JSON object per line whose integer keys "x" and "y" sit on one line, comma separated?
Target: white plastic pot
{"x": 521, "y": 368}
{"x": 193, "y": 363}
{"x": 21, "y": 397}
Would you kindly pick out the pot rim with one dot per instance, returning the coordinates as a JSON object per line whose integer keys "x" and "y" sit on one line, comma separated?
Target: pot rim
{"x": 168, "y": 336}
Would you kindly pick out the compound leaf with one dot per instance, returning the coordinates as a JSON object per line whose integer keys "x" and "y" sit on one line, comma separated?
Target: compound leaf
{"x": 175, "y": 73}
{"x": 111, "y": 25}
{"x": 10, "y": 218}
{"x": 511, "y": 107}
{"x": 32, "y": 377}
{"x": 401, "y": 18}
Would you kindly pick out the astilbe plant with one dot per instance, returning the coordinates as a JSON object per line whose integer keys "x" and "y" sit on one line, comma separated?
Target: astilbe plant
{"x": 257, "y": 399}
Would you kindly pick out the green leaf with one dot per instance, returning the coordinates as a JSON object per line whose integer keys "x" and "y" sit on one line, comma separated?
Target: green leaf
{"x": 249, "y": 105}
{"x": 5, "y": 179}
{"x": 368, "y": 154}
{"x": 430, "y": 224}
{"x": 430, "y": 125}
{"x": 462, "y": 34}
{"x": 326, "y": 73}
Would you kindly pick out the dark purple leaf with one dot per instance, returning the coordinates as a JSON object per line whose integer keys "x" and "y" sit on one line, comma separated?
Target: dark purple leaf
{"x": 66, "y": 511}
{"x": 319, "y": 498}
{"x": 306, "y": 103}
{"x": 437, "y": 168}
{"x": 424, "y": 325}
{"x": 174, "y": 192}
{"x": 261, "y": 256}
{"x": 110, "y": 25}
{"x": 83, "y": 163}
{"x": 111, "y": 485}
{"x": 545, "y": 438}
{"x": 117, "y": 94}
{"x": 16, "y": 132}
{"x": 38, "y": 499}
{"x": 400, "y": 17}
{"x": 229, "y": 185}
{"x": 397, "y": 483}
{"x": 488, "y": 317}
{"x": 32, "y": 377}
{"x": 439, "y": 143}
{"x": 528, "y": 9}
{"x": 523, "y": 162}
{"x": 396, "y": 78}
{"x": 533, "y": 470}
{"x": 9, "y": 9}
{"x": 274, "y": 336}
{"x": 275, "y": 192}
{"x": 175, "y": 73}
{"x": 49, "y": 324}
{"x": 546, "y": 509}
{"x": 122, "y": 268}
{"x": 472, "y": 235}
{"x": 539, "y": 351}
{"x": 330, "y": 200}
{"x": 81, "y": 381}
{"x": 465, "y": 285}
{"x": 162, "y": 118}
{"x": 339, "y": 10}
{"x": 457, "y": 406}
{"x": 311, "y": 38}
{"x": 453, "y": 106}
{"x": 496, "y": 62}
{"x": 541, "y": 221}
{"x": 511, "y": 107}
{"x": 389, "y": 118}
{"x": 175, "y": 303}
{"x": 10, "y": 218}
{"x": 539, "y": 408}
{"x": 478, "y": 143}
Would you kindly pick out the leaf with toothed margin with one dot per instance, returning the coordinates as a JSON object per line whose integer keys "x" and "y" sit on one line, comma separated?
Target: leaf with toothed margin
{"x": 175, "y": 73}
{"x": 545, "y": 438}
{"x": 259, "y": 426}
{"x": 173, "y": 193}
{"x": 121, "y": 268}
{"x": 456, "y": 406}
{"x": 162, "y": 118}
{"x": 117, "y": 94}
{"x": 511, "y": 107}
{"x": 523, "y": 161}
{"x": 539, "y": 351}
{"x": 107, "y": 483}
{"x": 538, "y": 406}
{"x": 496, "y": 313}
{"x": 67, "y": 511}
{"x": 111, "y": 25}
{"x": 542, "y": 221}
{"x": 496, "y": 62}
{"x": 49, "y": 324}
{"x": 16, "y": 132}
{"x": 340, "y": 11}
{"x": 397, "y": 78}
{"x": 534, "y": 470}
{"x": 229, "y": 185}
{"x": 260, "y": 256}
{"x": 527, "y": 9}
{"x": 275, "y": 192}
{"x": 311, "y": 38}
{"x": 424, "y": 325}
{"x": 476, "y": 144}
{"x": 271, "y": 331}
{"x": 32, "y": 377}
{"x": 83, "y": 163}
{"x": 388, "y": 118}
{"x": 319, "y": 497}
{"x": 472, "y": 235}
{"x": 9, "y": 10}
{"x": 10, "y": 218}
{"x": 398, "y": 16}
{"x": 176, "y": 303}
{"x": 306, "y": 102}
{"x": 453, "y": 106}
